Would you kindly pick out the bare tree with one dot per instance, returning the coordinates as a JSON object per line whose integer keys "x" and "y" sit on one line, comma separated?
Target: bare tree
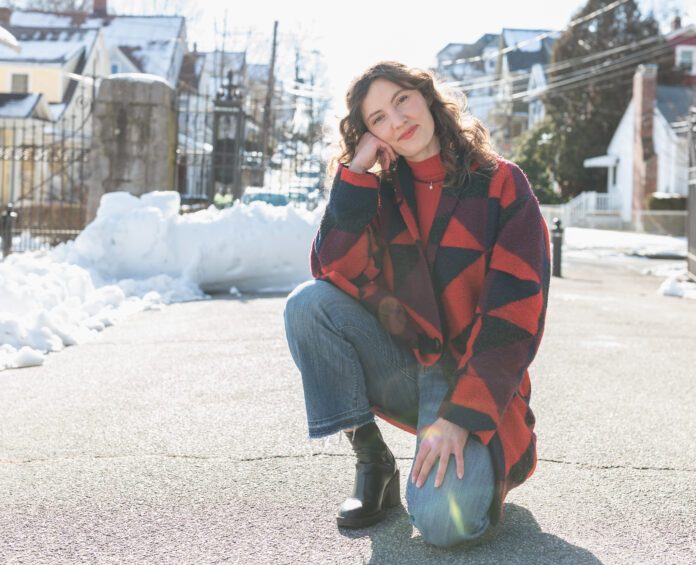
{"x": 65, "y": 6}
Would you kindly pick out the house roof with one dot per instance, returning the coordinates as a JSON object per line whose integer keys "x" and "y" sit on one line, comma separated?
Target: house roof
{"x": 686, "y": 31}
{"x": 450, "y": 50}
{"x": 48, "y": 46}
{"x": 30, "y": 105}
{"x": 150, "y": 42}
{"x": 674, "y": 102}
{"x": 454, "y": 51}
{"x": 8, "y": 40}
{"x": 530, "y": 49}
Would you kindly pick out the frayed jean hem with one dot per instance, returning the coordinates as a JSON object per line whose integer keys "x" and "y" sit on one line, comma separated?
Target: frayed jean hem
{"x": 345, "y": 423}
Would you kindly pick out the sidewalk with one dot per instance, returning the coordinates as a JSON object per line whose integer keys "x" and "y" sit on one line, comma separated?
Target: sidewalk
{"x": 179, "y": 437}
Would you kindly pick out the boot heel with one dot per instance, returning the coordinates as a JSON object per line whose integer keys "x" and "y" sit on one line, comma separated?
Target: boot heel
{"x": 392, "y": 492}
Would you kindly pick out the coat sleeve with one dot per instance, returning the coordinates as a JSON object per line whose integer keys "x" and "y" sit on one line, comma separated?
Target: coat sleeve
{"x": 509, "y": 319}
{"x": 346, "y": 251}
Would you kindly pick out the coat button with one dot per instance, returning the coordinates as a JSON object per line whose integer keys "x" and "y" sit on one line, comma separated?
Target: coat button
{"x": 437, "y": 345}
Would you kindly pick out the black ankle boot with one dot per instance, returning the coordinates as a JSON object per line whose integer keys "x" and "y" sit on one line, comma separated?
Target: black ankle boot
{"x": 376, "y": 480}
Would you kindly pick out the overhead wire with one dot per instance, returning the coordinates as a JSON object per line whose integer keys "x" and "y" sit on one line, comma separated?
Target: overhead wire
{"x": 538, "y": 37}
{"x": 572, "y": 63}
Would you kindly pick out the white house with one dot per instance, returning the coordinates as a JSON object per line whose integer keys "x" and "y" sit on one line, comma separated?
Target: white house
{"x": 649, "y": 149}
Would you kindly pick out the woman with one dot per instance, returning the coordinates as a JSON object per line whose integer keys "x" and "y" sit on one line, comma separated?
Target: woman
{"x": 426, "y": 308}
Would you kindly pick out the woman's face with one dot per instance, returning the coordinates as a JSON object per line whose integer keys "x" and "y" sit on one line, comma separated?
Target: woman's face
{"x": 401, "y": 117}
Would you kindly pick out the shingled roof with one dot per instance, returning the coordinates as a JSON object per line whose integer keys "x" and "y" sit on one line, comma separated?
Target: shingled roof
{"x": 674, "y": 102}
{"x": 151, "y": 42}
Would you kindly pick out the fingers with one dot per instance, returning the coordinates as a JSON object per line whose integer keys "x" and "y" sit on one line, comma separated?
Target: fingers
{"x": 371, "y": 149}
{"x": 429, "y": 457}
{"x": 433, "y": 447}
{"x": 459, "y": 460}
{"x": 441, "y": 469}
{"x": 418, "y": 463}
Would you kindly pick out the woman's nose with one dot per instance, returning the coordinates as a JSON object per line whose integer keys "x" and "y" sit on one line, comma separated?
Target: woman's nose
{"x": 398, "y": 119}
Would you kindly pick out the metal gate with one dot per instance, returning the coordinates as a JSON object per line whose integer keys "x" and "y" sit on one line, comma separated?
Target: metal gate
{"x": 212, "y": 165}
{"x": 43, "y": 172}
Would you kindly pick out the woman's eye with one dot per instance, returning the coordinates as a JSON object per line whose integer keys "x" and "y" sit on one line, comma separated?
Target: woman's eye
{"x": 402, "y": 98}
{"x": 376, "y": 120}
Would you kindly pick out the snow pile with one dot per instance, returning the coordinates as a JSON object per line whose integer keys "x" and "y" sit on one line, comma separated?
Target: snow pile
{"x": 678, "y": 285}
{"x": 601, "y": 243}
{"x": 139, "y": 254}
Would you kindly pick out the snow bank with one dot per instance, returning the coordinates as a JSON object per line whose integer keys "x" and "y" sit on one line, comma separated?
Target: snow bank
{"x": 139, "y": 254}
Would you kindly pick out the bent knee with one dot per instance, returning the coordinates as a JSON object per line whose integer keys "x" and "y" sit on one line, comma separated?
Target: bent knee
{"x": 302, "y": 300}
{"x": 449, "y": 524}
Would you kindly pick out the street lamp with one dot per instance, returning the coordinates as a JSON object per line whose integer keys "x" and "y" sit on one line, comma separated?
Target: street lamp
{"x": 228, "y": 135}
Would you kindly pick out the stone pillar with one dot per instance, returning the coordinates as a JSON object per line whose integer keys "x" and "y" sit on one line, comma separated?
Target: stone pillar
{"x": 644, "y": 157}
{"x": 134, "y": 137}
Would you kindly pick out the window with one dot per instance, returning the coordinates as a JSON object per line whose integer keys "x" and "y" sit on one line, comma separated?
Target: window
{"x": 686, "y": 57}
{"x": 20, "y": 83}
{"x": 114, "y": 68}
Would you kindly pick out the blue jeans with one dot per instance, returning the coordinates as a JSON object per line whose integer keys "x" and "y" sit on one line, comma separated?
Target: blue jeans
{"x": 349, "y": 363}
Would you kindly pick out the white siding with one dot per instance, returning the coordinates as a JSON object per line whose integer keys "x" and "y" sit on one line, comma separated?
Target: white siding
{"x": 673, "y": 159}
{"x": 621, "y": 145}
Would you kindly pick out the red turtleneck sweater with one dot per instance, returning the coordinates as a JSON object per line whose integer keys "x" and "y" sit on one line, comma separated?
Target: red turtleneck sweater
{"x": 424, "y": 172}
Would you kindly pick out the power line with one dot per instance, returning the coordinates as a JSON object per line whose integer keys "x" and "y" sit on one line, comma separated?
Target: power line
{"x": 551, "y": 67}
{"x": 592, "y": 74}
{"x": 538, "y": 37}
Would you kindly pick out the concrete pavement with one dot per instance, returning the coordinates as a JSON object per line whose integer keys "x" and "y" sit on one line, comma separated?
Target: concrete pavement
{"x": 178, "y": 437}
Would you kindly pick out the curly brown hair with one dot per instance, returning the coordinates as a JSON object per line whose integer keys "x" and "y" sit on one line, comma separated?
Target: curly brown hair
{"x": 464, "y": 140}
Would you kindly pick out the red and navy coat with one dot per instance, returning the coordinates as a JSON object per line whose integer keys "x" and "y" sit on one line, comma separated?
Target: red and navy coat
{"x": 478, "y": 287}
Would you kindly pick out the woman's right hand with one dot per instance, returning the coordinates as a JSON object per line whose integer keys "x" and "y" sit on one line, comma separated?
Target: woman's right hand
{"x": 371, "y": 148}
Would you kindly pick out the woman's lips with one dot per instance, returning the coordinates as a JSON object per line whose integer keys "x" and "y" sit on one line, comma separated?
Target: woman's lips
{"x": 408, "y": 134}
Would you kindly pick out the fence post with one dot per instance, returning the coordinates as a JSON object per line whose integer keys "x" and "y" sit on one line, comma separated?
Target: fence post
{"x": 557, "y": 243}
{"x": 134, "y": 137}
{"x": 8, "y": 220}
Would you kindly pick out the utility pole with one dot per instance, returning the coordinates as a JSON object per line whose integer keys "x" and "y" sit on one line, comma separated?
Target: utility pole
{"x": 269, "y": 100}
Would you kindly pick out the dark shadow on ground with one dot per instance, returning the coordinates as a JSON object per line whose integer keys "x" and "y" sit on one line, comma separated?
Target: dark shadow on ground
{"x": 518, "y": 540}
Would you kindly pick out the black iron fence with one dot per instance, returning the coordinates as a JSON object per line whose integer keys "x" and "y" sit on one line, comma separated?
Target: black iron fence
{"x": 43, "y": 172}
{"x": 214, "y": 158}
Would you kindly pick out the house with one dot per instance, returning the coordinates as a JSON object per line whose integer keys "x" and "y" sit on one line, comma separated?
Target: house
{"x": 7, "y": 39}
{"x": 136, "y": 44}
{"x": 649, "y": 150}
{"x": 683, "y": 41}
{"x": 47, "y": 90}
{"x": 519, "y": 52}
{"x": 470, "y": 67}
{"x": 50, "y": 62}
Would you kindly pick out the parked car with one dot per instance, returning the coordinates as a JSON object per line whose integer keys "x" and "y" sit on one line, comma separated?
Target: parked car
{"x": 253, "y": 159}
{"x": 256, "y": 194}
{"x": 298, "y": 197}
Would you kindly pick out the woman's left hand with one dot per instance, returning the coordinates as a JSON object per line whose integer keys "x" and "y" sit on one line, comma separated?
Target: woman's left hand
{"x": 439, "y": 440}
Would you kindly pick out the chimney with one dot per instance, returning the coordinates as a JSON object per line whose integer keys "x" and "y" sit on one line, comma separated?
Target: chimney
{"x": 644, "y": 157}
{"x": 5, "y": 14}
{"x": 676, "y": 23}
{"x": 99, "y": 10}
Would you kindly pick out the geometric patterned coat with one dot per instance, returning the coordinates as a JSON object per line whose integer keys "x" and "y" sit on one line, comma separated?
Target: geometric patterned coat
{"x": 479, "y": 288}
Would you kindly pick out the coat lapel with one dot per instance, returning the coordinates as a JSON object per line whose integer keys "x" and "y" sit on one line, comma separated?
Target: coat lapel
{"x": 445, "y": 209}
{"x": 406, "y": 191}
{"x": 415, "y": 287}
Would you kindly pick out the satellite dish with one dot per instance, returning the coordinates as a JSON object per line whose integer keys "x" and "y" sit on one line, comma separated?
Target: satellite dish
{"x": 6, "y": 38}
